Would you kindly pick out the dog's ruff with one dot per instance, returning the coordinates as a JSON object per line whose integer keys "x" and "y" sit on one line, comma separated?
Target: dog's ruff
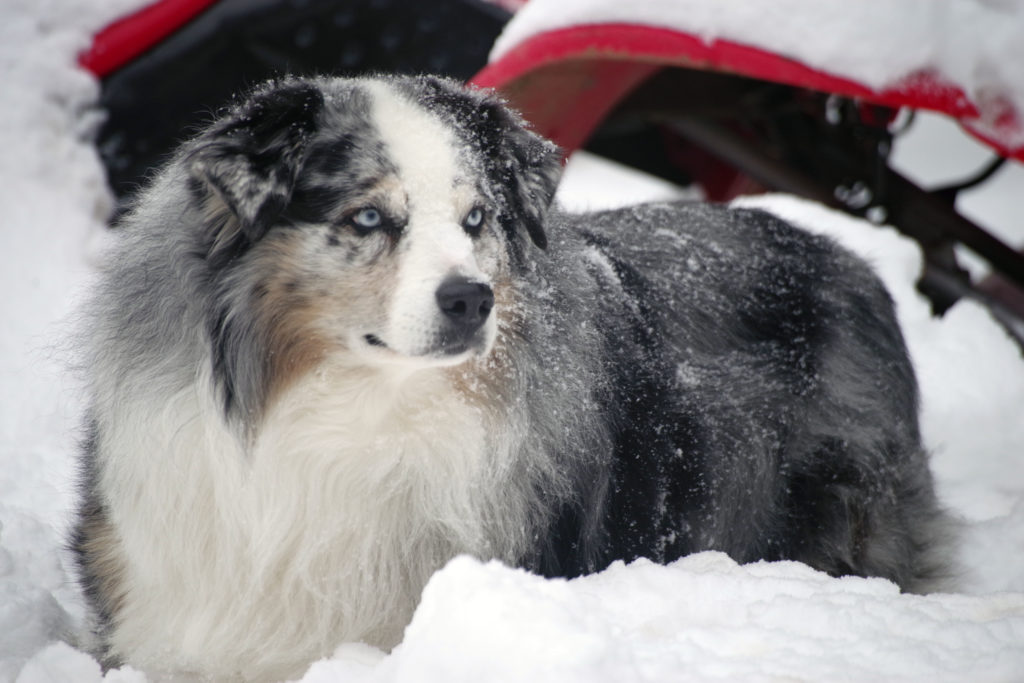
{"x": 328, "y": 355}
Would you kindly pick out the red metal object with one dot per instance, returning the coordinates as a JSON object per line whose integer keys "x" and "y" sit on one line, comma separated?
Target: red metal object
{"x": 566, "y": 80}
{"x": 127, "y": 38}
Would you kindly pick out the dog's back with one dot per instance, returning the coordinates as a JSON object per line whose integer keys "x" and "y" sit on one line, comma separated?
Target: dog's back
{"x": 765, "y": 402}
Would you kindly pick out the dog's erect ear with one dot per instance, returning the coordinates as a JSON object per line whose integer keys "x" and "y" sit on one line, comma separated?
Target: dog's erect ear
{"x": 250, "y": 158}
{"x": 522, "y": 166}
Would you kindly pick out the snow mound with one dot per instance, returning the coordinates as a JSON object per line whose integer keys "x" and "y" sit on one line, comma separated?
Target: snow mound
{"x": 703, "y": 618}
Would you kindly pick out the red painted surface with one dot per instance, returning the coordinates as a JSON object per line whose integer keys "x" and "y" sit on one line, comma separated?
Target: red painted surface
{"x": 130, "y": 36}
{"x": 533, "y": 74}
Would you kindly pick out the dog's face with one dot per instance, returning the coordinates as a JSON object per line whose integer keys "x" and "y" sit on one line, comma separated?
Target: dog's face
{"x": 380, "y": 218}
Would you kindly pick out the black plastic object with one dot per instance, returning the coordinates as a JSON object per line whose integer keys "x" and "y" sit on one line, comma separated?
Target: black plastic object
{"x": 166, "y": 94}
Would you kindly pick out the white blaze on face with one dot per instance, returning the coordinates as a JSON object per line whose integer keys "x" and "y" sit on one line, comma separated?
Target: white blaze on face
{"x": 434, "y": 245}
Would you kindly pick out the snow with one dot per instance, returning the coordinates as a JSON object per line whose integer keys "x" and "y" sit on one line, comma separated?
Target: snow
{"x": 703, "y": 618}
{"x": 976, "y": 44}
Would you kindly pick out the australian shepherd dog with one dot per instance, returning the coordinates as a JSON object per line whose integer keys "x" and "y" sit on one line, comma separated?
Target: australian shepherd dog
{"x": 344, "y": 338}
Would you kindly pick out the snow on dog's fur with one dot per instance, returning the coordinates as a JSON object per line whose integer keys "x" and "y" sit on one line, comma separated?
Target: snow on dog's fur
{"x": 331, "y": 353}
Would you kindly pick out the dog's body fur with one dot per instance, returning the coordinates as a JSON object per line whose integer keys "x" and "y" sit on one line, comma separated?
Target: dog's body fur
{"x": 292, "y": 427}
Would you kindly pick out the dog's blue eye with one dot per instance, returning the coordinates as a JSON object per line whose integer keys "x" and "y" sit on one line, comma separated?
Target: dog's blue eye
{"x": 474, "y": 219}
{"x": 368, "y": 218}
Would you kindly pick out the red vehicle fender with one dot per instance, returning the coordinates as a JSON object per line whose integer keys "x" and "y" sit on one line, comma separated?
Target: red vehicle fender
{"x": 130, "y": 36}
{"x": 566, "y": 80}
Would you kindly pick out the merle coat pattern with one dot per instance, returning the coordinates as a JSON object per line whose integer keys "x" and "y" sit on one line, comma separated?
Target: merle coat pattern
{"x": 345, "y": 338}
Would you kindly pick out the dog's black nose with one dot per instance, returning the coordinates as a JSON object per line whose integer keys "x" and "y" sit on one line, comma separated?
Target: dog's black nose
{"x": 465, "y": 303}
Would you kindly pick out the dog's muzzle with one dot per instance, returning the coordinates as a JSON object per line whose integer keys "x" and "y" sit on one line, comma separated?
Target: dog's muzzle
{"x": 465, "y": 305}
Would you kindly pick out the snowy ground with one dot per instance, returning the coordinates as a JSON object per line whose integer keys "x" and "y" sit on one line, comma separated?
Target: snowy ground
{"x": 701, "y": 619}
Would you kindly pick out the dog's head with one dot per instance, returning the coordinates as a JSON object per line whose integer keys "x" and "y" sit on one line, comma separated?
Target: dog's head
{"x": 378, "y": 216}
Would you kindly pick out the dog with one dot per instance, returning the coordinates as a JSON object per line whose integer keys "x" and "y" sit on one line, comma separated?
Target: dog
{"x": 345, "y": 337}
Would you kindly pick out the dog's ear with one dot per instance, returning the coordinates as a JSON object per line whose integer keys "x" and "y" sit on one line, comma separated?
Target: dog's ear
{"x": 529, "y": 167}
{"x": 250, "y": 159}
{"x": 522, "y": 166}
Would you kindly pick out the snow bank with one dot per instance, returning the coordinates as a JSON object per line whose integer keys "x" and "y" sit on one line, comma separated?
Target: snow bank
{"x": 54, "y": 196}
{"x": 701, "y": 619}
{"x": 977, "y": 44}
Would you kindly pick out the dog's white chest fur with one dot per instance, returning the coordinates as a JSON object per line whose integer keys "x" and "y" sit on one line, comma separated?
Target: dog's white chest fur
{"x": 350, "y": 496}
